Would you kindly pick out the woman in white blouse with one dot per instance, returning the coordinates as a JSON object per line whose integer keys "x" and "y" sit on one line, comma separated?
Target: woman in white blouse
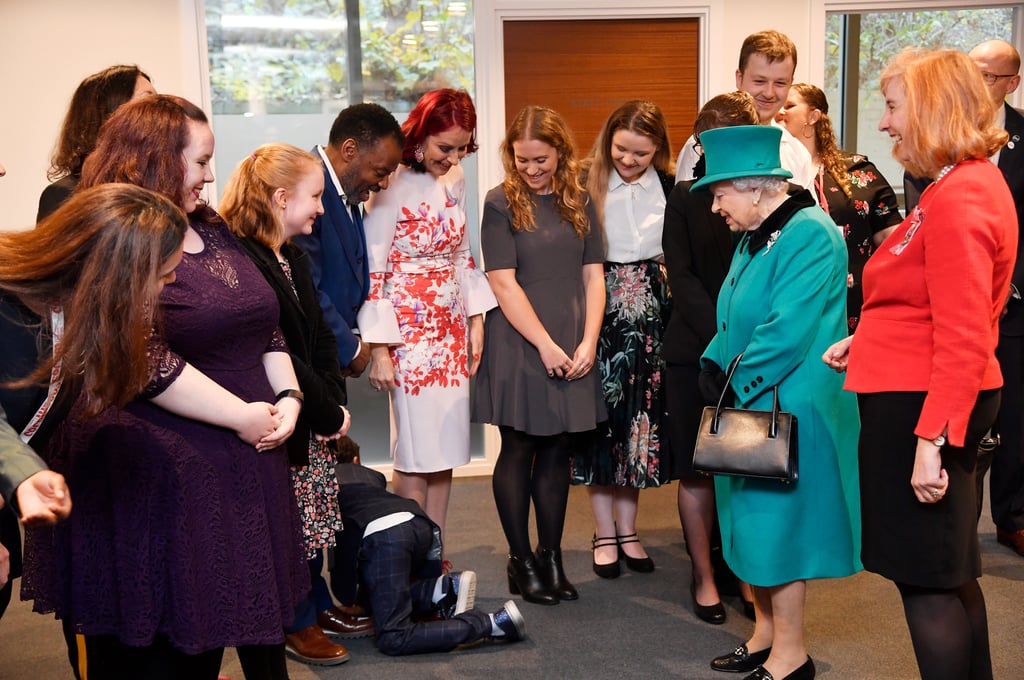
{"x": 628, "y": 178}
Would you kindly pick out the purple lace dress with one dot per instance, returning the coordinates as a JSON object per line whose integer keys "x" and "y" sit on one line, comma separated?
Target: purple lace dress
{"x": 180, "y": 528}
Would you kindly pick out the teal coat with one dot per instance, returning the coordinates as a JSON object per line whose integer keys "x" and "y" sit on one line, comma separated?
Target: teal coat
{"x": 782, "y": 307}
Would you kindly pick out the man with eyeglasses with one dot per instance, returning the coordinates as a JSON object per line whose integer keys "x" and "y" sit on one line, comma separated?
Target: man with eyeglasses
{"x": 999, "y": 62}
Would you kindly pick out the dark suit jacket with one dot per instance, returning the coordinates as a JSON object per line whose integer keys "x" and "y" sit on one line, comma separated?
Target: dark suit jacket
{"x": 310, "y": 341}
{"x": 698, "y": 248}
{"x": 1011, "y": 163}
{"x": 337, "y": 259}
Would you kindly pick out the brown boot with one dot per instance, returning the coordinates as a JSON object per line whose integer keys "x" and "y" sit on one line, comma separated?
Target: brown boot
{"x": 340, "y": 624}
{"x": 311, "y": 646}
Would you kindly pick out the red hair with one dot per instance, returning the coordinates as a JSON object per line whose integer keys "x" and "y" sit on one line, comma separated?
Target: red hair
{"x": 142, "y": 143}
{"x": 435, "y": 112}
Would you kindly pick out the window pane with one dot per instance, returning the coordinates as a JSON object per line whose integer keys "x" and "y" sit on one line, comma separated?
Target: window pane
{"x": 881, "y": 35}
{"x": 281, "y": 70}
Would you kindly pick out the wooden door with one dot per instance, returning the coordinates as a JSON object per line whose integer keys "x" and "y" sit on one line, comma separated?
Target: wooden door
{"x": 584, "y": 69}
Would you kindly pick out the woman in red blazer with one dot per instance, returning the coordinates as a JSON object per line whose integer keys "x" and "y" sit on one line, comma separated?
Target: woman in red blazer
{"x": 923, "y": 358}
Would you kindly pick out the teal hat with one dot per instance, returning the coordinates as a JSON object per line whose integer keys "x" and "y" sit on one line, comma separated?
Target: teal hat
{"x": 740, "y": 151}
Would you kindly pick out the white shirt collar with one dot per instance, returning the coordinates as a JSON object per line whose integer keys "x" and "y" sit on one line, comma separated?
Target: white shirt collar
{"x": 615, "y": 180}
{"x": 330, "y": 169}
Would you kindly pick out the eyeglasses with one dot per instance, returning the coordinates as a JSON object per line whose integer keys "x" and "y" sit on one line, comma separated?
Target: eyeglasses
{"x": 991, "y": 78}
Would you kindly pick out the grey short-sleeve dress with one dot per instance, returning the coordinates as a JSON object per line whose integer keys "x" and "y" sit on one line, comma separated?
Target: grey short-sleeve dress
{"x": 513, "y": 387}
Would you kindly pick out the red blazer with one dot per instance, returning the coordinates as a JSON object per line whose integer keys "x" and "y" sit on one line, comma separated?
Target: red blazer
{"x": 933, "y": 293}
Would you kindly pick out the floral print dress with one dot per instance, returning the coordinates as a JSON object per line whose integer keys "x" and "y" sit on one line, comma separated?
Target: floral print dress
{"x": 424, "y": 286}
{"x": 871, "y": 208}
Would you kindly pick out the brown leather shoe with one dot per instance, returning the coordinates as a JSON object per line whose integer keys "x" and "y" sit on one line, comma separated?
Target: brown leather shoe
{"x": 311, "y": 646}
{"x": 337, "y": 623}
{"x": 1012, "y": 539}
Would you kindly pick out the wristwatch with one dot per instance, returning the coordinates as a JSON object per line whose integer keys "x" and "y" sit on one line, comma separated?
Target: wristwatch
{"x": 940, "y": 441}
{"x": 294, "y": 394}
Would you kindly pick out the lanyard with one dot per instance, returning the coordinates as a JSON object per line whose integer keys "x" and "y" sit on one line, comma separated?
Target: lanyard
{"x": 57, "y": 326}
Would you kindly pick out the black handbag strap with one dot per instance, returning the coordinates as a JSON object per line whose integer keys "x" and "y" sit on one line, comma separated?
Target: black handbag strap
{"x": 773, "y": 427}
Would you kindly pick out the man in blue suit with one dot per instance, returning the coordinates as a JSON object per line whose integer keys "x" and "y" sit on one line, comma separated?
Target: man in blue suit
{"x": 999, "y": 62}
{"x": 363, "y": 150}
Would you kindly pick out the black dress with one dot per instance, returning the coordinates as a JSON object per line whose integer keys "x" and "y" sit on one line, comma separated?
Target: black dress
{"x": 513, "y": 387}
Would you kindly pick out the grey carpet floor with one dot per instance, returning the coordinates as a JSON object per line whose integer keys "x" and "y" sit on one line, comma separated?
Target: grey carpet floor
{"x": 636, "y": 626}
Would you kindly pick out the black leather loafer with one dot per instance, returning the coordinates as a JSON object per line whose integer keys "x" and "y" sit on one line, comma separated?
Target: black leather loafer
{"x": 740, "y": 660}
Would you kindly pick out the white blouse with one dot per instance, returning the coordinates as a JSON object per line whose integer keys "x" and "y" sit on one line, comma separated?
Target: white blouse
{"x": 633, "y": 217}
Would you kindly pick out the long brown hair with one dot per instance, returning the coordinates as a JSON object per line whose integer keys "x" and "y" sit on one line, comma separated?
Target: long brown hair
{"x": 544, "y": 125}
{"x": 142, "y": 144}
{"x": 825, "y": 136}
{"x": 98, "y": 258}
{"x": 638, "y": 116}
{"x": 94, "y": 100}
{"x": 248, "y": 202}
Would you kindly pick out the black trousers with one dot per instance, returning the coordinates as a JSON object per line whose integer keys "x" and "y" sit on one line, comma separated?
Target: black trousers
{"x": 1006, "y": 479}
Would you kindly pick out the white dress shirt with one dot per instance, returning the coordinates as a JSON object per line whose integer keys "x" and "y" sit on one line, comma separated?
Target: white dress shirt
{"x": 634, "y": 213}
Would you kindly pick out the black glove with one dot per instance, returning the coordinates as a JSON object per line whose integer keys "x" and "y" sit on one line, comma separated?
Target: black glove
{"x": 712, "y": 381}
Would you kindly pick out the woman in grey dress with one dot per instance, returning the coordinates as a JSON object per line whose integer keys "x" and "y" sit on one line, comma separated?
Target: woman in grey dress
{"x": 544, "y": 258}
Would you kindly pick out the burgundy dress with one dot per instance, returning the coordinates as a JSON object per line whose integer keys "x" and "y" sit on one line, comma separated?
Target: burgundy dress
{"x": 180, "y": 528}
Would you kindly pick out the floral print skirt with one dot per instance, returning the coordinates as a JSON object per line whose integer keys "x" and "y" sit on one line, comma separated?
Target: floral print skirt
{"x": 627, "y": 450}
{"x": 316, "y": 490}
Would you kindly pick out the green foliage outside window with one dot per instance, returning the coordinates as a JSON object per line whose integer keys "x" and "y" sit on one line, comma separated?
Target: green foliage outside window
{"x": 292, "y": 56}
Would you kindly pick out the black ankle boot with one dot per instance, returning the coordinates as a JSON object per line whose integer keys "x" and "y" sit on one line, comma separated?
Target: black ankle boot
{"x": 524, "y": 579}
{"x": 549, "y": 561}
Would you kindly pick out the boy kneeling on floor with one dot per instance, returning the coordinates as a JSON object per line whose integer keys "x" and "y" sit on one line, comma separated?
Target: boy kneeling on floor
{"x": 391, "y": 549}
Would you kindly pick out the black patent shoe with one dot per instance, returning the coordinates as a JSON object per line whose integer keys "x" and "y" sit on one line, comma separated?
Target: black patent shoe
{"x": 611, "y": 570}
{"x": 549, "y": 562}
{"x": 713, "y": 614}
{"x": 740, "y": 660}
{"x": 644, "y": 565}
{"x": 524, "y": 579}
{"x": 805, "y": 672}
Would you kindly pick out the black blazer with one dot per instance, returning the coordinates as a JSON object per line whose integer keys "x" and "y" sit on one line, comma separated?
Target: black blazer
{"x": 55, "y": 194}
{"x": 1011, "y": 163}
{"x": 311, "y": 343}
{"x": 698, "y": 249}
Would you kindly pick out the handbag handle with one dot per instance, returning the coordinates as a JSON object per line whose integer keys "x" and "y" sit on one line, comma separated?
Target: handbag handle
{"x": 773, "y": 426}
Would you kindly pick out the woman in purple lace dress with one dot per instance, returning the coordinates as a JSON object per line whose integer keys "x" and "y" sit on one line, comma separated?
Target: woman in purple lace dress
{"x": 185, "y": 537}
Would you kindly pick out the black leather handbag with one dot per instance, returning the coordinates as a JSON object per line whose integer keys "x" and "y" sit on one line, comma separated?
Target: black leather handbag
{"x": 747, "y": 443}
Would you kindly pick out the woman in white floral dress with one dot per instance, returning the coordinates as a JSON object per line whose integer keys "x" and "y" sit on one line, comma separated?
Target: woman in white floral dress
{"x": 424, "y": 315}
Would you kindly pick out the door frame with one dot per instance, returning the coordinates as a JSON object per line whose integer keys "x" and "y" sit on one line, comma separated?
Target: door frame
{"x": 490, "y": 63}
{"x": 490, "y": 16}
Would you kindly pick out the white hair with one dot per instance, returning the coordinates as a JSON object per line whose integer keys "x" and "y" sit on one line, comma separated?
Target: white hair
{"x": 769, "y": 185}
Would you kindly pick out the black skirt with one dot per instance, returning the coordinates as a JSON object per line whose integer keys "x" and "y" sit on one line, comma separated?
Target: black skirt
{"x": 932, "y": 545}
{"x": 681, "y": 420}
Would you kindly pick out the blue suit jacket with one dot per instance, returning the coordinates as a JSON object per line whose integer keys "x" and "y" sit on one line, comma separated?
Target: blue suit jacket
{"x": 337, "y": 259}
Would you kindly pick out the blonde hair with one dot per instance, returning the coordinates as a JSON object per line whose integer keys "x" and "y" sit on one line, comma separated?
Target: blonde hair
{"x": 950, "y": 113}
{"x": 248, "y": 202}
{"x": 544, "y": 125}
{"x": 638, "y": 116}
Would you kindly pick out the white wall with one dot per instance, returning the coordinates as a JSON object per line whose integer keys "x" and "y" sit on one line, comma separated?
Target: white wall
{"x": 48, "y": 46}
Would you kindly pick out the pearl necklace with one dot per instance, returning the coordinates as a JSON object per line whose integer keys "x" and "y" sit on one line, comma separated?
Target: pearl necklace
{"x": 945, "y": 170}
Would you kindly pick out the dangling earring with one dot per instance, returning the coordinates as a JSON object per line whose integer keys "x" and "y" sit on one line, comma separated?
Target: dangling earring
{"x": 418, "y": 153}
{"x": 804, "y": 131}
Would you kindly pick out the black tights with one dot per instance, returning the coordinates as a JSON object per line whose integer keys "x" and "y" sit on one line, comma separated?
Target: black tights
{"x": 538, "y": 467}
{"x": 949, "y": 630}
